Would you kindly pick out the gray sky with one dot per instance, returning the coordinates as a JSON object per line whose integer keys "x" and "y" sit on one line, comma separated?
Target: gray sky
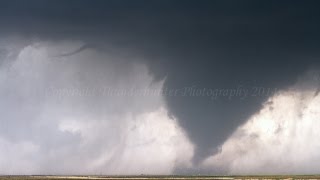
{"x": 158, "y": 87}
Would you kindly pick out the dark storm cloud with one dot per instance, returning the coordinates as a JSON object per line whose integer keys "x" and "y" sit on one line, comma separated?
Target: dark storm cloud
{"x": 217, "y": 45}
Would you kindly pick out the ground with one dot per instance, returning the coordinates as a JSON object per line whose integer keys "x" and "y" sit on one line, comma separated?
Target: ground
{"x": 283, "y": 177}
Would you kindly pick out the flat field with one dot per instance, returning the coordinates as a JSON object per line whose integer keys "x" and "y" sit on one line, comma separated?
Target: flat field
{"x": 275, "y": 177}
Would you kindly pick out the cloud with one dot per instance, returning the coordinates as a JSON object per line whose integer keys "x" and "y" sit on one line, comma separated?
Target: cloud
{"x": 208, "y": 45}
{"x": 83, "y": 114}
{"x": 282, "y": 138}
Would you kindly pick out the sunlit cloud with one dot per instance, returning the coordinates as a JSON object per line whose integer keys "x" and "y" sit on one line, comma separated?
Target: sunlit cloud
{"x": 56, "y": 109}
{"x": 282, "y": 138}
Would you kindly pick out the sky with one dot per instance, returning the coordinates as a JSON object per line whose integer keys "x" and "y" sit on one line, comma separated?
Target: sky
{"x": 125, "y": 87}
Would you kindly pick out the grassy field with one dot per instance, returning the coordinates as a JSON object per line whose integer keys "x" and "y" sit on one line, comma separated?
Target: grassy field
{"x": 283, "y": 177}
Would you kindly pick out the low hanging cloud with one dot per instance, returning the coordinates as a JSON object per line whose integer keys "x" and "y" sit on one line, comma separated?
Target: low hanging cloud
{"x": 282, "y": 138}
{"x": 101, "y": 113}
{"x": 83, "y": 114}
